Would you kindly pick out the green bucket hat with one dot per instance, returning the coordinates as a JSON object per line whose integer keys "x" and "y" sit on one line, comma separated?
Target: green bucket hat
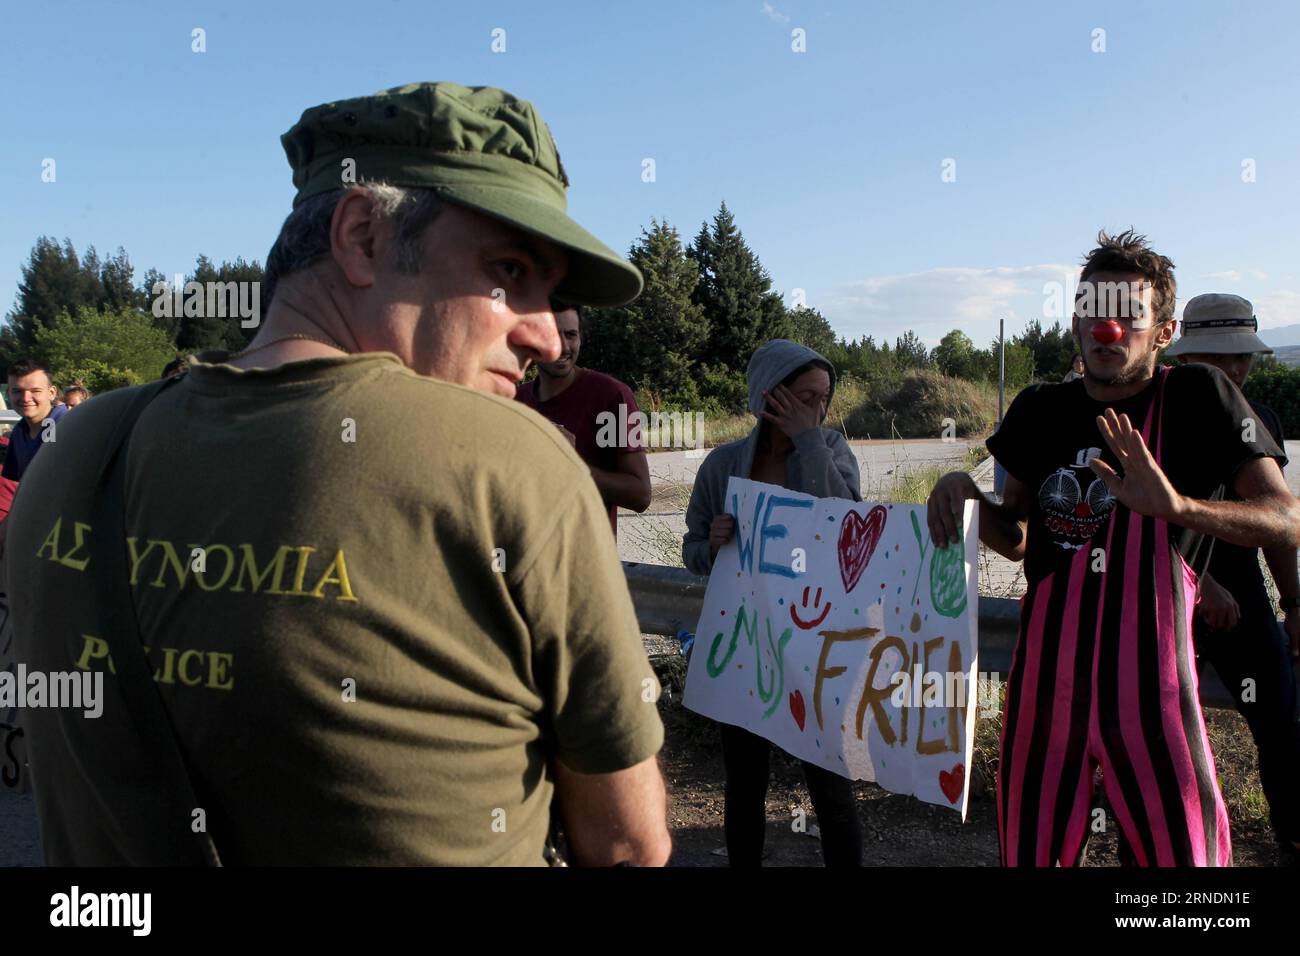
{"x": 478, "y": 147}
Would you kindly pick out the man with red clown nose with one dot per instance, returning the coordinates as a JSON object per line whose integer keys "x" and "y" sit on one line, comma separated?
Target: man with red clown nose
{"x": 1114, "y": 485}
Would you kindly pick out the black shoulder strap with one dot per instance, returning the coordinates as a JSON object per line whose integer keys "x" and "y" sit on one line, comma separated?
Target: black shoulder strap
{"x": 121, "y": 630}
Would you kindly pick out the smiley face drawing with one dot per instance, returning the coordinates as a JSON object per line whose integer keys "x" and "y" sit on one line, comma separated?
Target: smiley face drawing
{"x": 805, "y": 625}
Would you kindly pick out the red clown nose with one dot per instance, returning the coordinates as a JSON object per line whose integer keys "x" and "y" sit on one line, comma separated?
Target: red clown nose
{"x": 1107, "y": 332}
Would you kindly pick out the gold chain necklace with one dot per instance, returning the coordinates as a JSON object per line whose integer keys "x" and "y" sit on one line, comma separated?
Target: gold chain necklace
{"x": 286, "y": 338}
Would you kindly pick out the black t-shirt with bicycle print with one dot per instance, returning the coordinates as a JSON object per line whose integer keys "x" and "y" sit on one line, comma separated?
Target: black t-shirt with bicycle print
{"x": 1050, "y": 434}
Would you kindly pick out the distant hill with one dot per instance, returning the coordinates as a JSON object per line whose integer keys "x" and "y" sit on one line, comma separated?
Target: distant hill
{"x": 1283, "y": 335}
{"x": 1285, "y": 343}
{"x": 1288, "y": 354}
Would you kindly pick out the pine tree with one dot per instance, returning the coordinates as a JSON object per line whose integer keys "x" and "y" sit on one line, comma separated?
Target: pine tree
{"x": 1052, "y": 350}
{"x": 48, "y": 281}
{"x": 52, "y": 281}
{"x": 910, "y": 351}
{"x": 92, "y": 284}
{"x": 653, "y": 342}
{"x": 735, "y": 293}
{"x": 198, "y": 330}
{"x": 117, "y": 280}
{"x": 145, "y": 296}
{"x": 201, "y": 328}
{"x": 809, "y": 327}
{"x": 249, "y": 275}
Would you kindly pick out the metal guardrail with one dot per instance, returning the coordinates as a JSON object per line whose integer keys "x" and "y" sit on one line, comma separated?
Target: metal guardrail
{"x": 670, "y": 599}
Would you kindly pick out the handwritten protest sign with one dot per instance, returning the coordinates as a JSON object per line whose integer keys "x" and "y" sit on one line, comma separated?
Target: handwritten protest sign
{"x": 837, "y": 631}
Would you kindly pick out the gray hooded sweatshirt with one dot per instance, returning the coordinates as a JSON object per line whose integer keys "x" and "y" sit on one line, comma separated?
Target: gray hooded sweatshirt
{"x": 821, "y": 464}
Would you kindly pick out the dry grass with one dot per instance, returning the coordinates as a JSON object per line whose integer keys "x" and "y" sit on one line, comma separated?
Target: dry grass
{"x": 921, "y": 405}
{"x": 914, "y": 407}
{"x": 849, "y": 394}
{"x": 726, "y": 428}
{"x": 1237, "y": 763}
{"x": 655, "y": 538}
{"x": 988, "y": 737}
{"x": 913, "y": 486}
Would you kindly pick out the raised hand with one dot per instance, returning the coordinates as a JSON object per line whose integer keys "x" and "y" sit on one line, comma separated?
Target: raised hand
{"x": 1144, "y": 487}
{"x": 791, "y": 415}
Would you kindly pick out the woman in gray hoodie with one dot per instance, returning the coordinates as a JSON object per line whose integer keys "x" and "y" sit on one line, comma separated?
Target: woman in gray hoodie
{"x": 790, "y": 390}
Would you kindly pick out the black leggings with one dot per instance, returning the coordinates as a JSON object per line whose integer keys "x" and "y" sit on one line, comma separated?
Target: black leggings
{"x": 745, "y": 757}
{"x": 1257, "y": 649}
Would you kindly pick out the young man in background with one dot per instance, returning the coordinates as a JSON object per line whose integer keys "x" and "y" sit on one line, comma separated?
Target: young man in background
{"x": 582, "y": 402}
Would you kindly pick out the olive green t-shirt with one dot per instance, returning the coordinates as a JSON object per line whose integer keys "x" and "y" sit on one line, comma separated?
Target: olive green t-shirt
{"x": 377, "y": 605}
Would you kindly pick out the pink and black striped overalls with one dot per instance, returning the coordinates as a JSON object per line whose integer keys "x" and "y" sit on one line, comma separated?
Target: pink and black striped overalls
{"x": 1104, "y": 674}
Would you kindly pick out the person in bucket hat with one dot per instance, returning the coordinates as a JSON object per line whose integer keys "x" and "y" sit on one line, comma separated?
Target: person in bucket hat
{"x": 1222, "y": 325}
{"x": 1237, "y": 628}
{"x": 377, "y": 598}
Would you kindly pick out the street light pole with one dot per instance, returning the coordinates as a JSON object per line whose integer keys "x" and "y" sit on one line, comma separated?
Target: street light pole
{"x": 1002, "y": 364}
{"x": 999, "y": 473}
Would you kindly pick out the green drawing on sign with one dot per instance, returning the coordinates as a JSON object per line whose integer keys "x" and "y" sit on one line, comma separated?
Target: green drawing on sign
{"x": 772, "y": 695}
{"x": 923, "y": 543}
{"x": 774, "y": 689}
{"x": 715, "y": 669}
{"x": 948, "y": 578}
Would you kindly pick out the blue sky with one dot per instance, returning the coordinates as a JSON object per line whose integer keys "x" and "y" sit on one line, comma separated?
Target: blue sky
{"x": 831, "y": 159}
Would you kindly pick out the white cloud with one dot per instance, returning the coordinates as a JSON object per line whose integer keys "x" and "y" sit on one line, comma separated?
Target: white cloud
{"x": 1278, "y": 308}
{"x": 936, "y": 301}
{"x": 933, "y": 302}
{"x": 773, "y": 14}
{"x": 1257, "y": 274}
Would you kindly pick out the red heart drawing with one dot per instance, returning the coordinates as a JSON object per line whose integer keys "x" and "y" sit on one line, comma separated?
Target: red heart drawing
{"x": 858, "y": 539}
{"x": 953, "y": 783}
{"x": 797, "y": 708}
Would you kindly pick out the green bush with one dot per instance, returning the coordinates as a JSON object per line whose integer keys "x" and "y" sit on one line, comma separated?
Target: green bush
{"x": 1278, "y": 388}
{"x": 850, "y": 392}
{"x": 724, "y": 391}
{"x": 917, "y": 406}
{"x": 99, "y": 377}
{"x": 104, "y": 349}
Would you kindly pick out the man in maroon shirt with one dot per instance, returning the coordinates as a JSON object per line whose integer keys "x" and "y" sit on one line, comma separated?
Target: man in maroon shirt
{"x": 574, "y": 398}
{"x": 7, "y": 485}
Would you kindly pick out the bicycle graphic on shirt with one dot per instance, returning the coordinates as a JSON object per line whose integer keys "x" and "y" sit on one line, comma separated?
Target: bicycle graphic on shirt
{"x": 1068, "y": 510}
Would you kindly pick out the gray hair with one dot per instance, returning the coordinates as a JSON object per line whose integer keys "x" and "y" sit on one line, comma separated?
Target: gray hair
{"x": 305, "y": 236}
